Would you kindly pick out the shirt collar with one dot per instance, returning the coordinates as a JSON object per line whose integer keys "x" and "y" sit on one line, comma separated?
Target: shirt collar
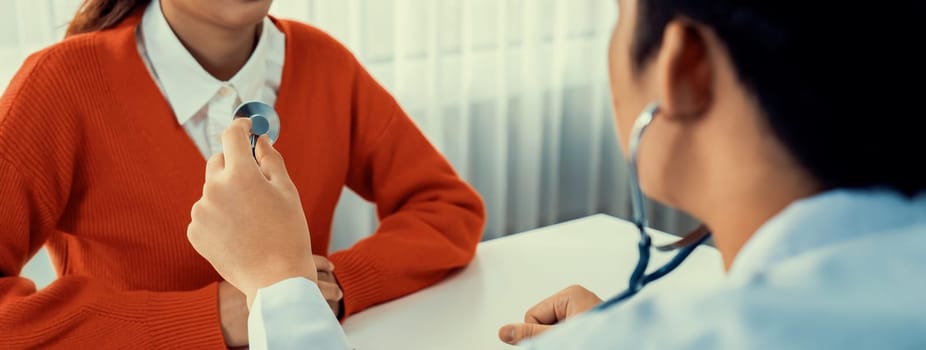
{"x": 823, "y": 220}
{"x": 186, "y": 85}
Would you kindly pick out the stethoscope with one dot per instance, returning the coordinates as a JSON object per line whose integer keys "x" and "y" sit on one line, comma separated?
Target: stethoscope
{"x": 639, "y": 278}
{"x": 264, "y": 120}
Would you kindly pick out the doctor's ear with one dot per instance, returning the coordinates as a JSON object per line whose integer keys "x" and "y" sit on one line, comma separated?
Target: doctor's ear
{"x": 685, "y": 71}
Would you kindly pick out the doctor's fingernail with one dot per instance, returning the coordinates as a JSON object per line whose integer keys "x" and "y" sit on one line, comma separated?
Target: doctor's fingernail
{"x": 509, "y": 334}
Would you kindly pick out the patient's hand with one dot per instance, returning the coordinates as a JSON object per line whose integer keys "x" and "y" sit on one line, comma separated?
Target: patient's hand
{"x": 565, "y": 304}
{"x": 328, "y": 284}
{"x": 249, "y": 223}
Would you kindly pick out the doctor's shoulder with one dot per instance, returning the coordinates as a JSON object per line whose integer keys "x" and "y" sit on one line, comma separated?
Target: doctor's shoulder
{"x": 858, "y": 294}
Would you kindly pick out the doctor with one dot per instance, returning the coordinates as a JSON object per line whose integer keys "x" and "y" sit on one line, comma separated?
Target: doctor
{"x": 785, "y": 126}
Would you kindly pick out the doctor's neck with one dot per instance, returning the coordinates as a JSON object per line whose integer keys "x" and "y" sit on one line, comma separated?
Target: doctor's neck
{"x": 220, "y": 50}
{"x": 736, "y": 219}
{"x": 749, "y": 187}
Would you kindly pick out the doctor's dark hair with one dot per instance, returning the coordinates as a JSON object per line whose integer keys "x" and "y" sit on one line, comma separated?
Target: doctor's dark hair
{"x": 839, "y": 82}
{"x": 93, "y": 15}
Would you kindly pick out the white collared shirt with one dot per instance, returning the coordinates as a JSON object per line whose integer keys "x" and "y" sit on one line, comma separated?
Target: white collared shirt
{"x": 202, "y": 104}
{"x": 840, "y": 270}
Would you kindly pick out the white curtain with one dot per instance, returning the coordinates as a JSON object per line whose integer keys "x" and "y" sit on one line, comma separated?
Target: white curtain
{"x": 513, "y": 92}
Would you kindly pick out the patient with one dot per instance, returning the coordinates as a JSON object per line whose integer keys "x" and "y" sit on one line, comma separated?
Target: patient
{"x": 104, "y": 138}
{"x": 792, "y": 129}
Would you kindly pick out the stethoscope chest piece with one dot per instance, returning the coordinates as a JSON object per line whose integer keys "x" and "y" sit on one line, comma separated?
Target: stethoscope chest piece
{"x": 264, "y": 119}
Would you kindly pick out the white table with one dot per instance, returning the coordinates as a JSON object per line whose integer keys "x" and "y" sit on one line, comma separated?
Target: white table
{"x": 511, "y": 274}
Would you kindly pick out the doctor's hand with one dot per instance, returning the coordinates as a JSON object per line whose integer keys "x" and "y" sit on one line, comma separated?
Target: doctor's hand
{"x": 249, "y": 223}
{"x": 328, "y": 284}
{"x": 569, "y": 302}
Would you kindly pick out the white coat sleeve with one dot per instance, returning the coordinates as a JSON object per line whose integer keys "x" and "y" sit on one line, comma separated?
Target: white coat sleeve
{"x": 293, "y": 314}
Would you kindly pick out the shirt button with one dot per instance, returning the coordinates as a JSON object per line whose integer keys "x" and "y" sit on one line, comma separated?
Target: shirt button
{"x": 225, "y": 91}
